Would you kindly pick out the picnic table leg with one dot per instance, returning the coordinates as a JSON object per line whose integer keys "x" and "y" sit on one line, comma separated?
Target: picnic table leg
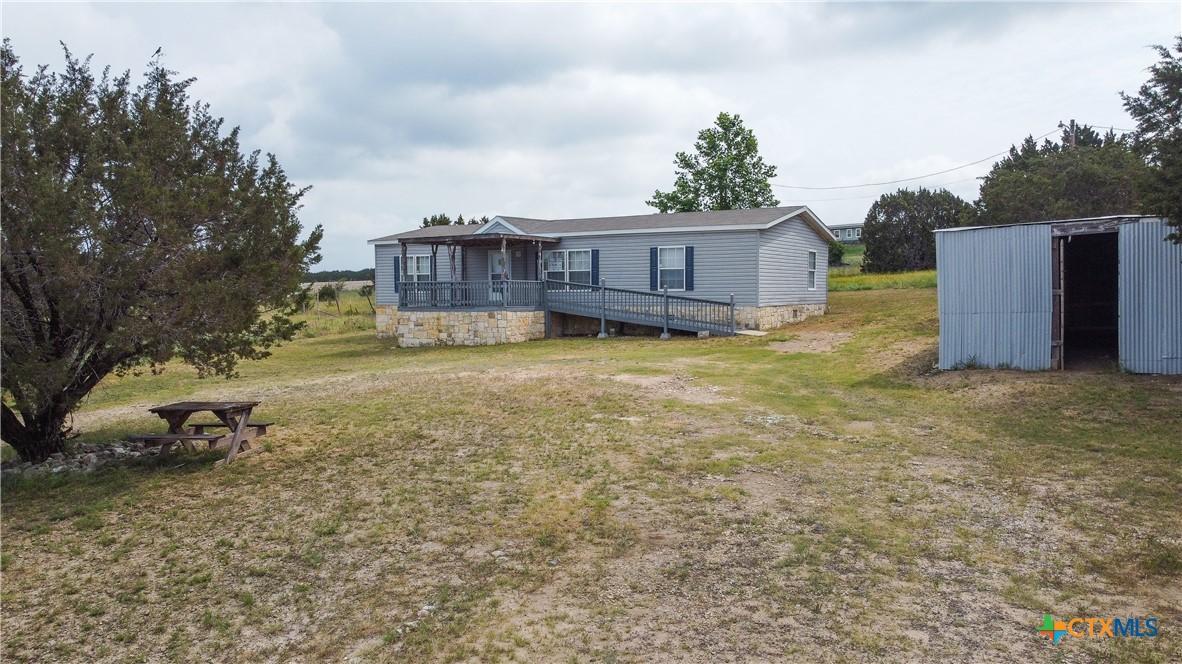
{"x": 238, "y": 424}
{"x": 176, "y": 424}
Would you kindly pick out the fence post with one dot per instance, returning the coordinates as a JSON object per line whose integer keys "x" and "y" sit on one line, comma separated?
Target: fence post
{"x": 732, "y": 314}
{"x": 665, "y": 333}
{"x": 545, "y": 307}
{"x": 602, "y": 309}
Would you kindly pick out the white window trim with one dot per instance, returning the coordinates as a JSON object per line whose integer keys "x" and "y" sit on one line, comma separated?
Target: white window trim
{"x": 566, "y": 263}
{"x": 414, "y": 262}
{"x": 683, "y": 269}
{"x": 811, "y": 258}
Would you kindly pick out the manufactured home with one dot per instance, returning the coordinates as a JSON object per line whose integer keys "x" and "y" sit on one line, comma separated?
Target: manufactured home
{"x": 1075, "y": 294}
{"x": 514, "y": 279}
{"x": 850, "y": 233}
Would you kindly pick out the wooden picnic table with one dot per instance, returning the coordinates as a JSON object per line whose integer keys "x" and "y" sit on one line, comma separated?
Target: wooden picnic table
{"x": 233, "y": 415}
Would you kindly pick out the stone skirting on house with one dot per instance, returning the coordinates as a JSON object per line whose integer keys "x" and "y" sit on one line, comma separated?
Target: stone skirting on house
{"x": 769, "y": 318}
{"x": 459, "y": 328}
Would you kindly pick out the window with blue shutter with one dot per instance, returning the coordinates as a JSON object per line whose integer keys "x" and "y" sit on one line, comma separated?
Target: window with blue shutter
{"x": 397, "y": 273}
{"x": 652, "y": 268}
{"x": 595, "y": 266}
{"x": 689, "y": 268}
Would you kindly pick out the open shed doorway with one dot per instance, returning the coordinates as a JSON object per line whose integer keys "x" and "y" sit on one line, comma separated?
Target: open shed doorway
{"x": 1090, "y": 263}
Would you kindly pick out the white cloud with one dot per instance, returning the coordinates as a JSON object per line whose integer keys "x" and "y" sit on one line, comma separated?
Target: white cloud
{"x": 397, "y": 111}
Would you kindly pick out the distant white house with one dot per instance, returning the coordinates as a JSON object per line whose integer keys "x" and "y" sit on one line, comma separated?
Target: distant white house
{"x": 847, "y": 233}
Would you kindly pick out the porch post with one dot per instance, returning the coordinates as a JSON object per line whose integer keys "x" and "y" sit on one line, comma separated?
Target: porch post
{"x": 506, "y": 267}
{"x": 434, "y": 256}
{"x": 602, "y": 309}
{"x": 732, "y": 314}
{"x": 538, "y": 258}
{"x": 451, "y": 275}
{"x": 665, "y": 333}
{"x": 402, "y": 265}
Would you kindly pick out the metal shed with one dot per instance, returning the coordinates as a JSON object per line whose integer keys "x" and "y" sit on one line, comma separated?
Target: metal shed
{"x": 1071, "y": 294}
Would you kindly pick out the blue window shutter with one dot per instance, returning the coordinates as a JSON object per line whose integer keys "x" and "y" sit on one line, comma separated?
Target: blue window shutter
{"x": 595, "y": 266}
{"x": 652, "y": 268}
{"x": 434, "y": 275}
{"x": 689, "y": 268}
{"x": 397, "y": 273}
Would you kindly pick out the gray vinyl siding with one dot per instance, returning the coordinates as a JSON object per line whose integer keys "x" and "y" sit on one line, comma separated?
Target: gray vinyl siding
{"x": 994, "y": 293}
{"x": 725, "y": 262}
{"x": 383, "y": 276}
{"x": 1150, "y": 301}
{"x": 384, "y": 260}
{"x": 521, "y": 267}
{"x": 783, "y": 265}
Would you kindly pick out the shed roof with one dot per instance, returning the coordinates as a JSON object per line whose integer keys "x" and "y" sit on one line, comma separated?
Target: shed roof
{"x": 1116, "y": 218}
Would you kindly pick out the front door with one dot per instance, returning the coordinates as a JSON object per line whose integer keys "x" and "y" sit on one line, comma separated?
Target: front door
{"x": 496, "y": 265}
{"x": 496, "y": 273}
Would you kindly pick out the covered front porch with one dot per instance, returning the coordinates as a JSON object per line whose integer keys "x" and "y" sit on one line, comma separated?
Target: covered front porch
{"x": 475, "y": 258}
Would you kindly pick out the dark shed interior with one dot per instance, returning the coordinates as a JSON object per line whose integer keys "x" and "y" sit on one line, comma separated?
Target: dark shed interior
{"x": 1090, "y": 293}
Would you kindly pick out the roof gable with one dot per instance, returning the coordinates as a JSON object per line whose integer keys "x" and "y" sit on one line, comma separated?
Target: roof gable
{"x": 499, "y": 225}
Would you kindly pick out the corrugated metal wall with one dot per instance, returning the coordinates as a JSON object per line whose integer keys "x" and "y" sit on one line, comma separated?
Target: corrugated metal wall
{"x": 1150, "y": 299}
{"x": 994, "y": 292}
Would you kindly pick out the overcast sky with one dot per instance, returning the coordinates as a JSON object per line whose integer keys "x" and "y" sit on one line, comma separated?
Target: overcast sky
{"x": 393, "y": 112}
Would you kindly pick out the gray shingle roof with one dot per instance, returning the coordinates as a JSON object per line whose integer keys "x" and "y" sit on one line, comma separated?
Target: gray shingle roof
{"x": 432, "y": 231}
{"x": 757, "y": 216}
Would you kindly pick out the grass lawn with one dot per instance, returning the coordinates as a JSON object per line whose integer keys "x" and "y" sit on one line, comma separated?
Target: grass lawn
{"x": 621, "y": 500}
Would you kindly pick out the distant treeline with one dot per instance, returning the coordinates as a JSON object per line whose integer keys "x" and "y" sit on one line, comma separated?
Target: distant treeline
{"x": 344, "y": 275}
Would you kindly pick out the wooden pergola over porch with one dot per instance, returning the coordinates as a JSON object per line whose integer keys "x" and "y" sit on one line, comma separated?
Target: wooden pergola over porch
{"x": 476, "y": 241}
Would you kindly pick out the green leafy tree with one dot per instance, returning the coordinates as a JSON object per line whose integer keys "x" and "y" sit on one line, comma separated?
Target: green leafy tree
{"x": 436, "y": 220}
{"x": 1157, "y": 108}
{"x": 1099, "y": 177}
{"x": 898, "y": 231}
{"x": 301, "y": 298}
{"x": 836, "y": 252}
{"x": 331, "y": 293}
{"x": 725, "y": 172}
{"x": 134, "y": 232}
{"x": 366, "y": 274}
{"x": 445, "y": 220}
{"x": 366, "y": 291}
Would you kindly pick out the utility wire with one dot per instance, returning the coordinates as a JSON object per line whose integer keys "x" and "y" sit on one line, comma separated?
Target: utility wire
{"x": 854, "y": 198}
{"x": 918, "y": 177}
{"x": 1098, "y": 127}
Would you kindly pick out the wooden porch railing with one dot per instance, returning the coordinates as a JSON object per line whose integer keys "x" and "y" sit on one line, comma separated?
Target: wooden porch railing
{"x": 495, "y": 294}
{"x": 658, "y": 309}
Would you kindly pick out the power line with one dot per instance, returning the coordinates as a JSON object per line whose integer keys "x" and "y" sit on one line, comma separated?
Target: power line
{"x": 918, "y": 177}
{"x": 1096, "y": 126}
{"x": 854, "y": 198}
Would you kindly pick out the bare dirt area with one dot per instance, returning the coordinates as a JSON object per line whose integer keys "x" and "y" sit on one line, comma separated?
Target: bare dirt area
{"x": 680, "y": 387}
{"x": 812, "y": 342}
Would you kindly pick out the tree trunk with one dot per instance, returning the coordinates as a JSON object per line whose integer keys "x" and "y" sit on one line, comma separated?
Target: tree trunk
{"x": 38, "y": 436}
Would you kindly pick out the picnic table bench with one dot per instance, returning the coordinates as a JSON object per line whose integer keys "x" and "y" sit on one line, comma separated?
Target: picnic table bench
{"x": 232, "y": 415}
